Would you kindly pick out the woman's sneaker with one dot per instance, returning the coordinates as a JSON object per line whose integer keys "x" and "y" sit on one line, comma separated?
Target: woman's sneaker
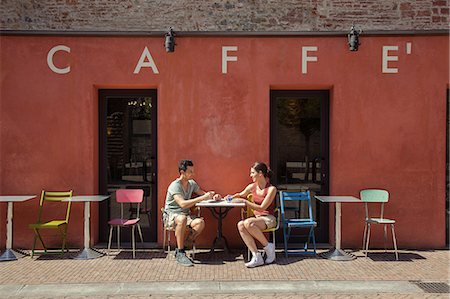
{"x": 183, "y": 260}
{"x": 256, "y": 261}
{"x": 270, "y": 253}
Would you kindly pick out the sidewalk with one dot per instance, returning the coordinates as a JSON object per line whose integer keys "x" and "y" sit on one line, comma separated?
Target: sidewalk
{"x": 418, "y": 274}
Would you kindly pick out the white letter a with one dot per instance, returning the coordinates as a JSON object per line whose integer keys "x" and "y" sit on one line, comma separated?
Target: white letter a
{"x": 142, "y": 63}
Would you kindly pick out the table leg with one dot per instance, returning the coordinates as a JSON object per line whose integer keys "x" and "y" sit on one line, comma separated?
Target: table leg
{"x": 9, "y": 254}
{"x": 219, "y": 238}
{"x": 336, "y": 253}
{"x": 87, "y": 252}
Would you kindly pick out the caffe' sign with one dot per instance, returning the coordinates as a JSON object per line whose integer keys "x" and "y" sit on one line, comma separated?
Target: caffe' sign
{"x": 231, "y": 54}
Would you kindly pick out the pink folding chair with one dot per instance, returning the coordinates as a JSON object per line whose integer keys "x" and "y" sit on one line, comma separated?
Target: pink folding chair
{"x": 127, "y": 196}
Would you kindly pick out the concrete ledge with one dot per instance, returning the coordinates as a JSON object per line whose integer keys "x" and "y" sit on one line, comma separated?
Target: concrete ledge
{"x": 209, "y": 287}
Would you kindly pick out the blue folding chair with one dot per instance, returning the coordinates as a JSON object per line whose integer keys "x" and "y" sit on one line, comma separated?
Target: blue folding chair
{"x": 289, "y": 223}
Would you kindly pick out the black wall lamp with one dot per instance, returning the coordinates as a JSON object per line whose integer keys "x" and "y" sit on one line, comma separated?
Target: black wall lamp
{"x": 353, "y": 39}
{"x": 170, "y": 41}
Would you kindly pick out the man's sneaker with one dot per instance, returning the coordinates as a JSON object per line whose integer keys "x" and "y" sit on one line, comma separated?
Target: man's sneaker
{"x": 183, "y": 260}
{"x": 256, "y": 261}
{"x": 270, "y": 253}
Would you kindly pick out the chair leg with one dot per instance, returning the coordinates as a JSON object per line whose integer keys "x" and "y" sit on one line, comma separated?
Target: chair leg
{"x": 364, "y": 236}
{"x": 34, "y": 244}
{"x": 368, "y": 238}
{"x": 285, "y": 241}
{"x": 314, "y": 240}
{"x": 110, "y": 238}
{"x": 305, "y": 247}
{"x": 385, "y": 238}
{"x": 40, "y": 239}
{"x": 133, "y": 241}
{"x": 395, "y": 242}
{"x": 118, "y": 238}
{"x": 273, "y": 240}
{"x": 164, "y": 239}
{"x": 64, "y": 238}
{"x": 168, "y": 242}
{"x": 140, "y": 234}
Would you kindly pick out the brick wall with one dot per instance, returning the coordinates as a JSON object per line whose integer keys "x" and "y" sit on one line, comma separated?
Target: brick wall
{"x": 231, "y": 15}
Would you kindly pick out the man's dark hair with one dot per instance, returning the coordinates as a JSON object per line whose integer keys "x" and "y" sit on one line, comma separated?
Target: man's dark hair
{"x": 183, "y": 165}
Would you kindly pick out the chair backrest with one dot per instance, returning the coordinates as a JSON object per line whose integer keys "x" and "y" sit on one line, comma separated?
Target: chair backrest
{"x": 55, "y": 196}
{"x": 129, "y": 196}
{"x": 374, "y": 196}
{"x": 249, "y": 211}
{"x": 288, "y": 196}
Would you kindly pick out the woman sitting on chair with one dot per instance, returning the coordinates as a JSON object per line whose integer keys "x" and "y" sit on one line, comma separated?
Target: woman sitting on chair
{"x": 263, "y": 194}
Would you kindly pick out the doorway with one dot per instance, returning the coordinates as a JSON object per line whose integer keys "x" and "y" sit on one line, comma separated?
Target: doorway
{"x": 127, "y": 156}
{"x": 299, "y": 148}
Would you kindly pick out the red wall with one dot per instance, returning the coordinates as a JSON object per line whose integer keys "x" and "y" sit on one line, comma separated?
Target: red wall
{"x": 386, "y": 130}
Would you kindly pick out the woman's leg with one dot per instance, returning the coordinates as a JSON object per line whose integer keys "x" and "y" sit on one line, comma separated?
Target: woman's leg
{"x": 254, "y": 227}
{"x": 246, "y": 236}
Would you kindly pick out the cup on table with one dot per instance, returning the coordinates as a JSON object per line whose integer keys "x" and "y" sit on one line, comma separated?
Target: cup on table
{"x": 229, "y": 198}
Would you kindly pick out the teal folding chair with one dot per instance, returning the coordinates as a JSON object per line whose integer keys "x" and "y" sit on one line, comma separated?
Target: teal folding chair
{"x": 377, "y": 196}
{"x": 298, "y": 222}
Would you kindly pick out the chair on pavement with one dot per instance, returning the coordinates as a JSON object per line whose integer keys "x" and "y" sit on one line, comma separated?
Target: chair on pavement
{"x": 382, "y": 197}
{"x": 168, "y": 230}
{"x": 248, "y": 212}
{"x": 298, "y": 222}
{"x": 127, "y": 196}
{"x": 59, "y": 224}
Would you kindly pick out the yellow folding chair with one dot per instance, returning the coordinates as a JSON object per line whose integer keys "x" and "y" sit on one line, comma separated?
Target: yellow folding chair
{"x": 59, "y": 224}
{"x": 248, "y": 212}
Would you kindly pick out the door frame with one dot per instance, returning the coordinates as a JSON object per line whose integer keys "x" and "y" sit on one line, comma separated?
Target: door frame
{"x": 324, "y": 146}
{"x": 104, "y": 213}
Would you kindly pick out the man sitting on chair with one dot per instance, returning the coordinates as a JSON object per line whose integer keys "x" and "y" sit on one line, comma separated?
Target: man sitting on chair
{"x": 177, "y": 209}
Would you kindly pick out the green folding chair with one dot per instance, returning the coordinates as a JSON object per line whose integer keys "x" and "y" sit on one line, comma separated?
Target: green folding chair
{"x": 59, "y": 224}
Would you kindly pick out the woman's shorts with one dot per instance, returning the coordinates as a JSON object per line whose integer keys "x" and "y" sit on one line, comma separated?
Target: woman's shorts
{"x": 270, "y": 220}
{"x": 169, "y": 219}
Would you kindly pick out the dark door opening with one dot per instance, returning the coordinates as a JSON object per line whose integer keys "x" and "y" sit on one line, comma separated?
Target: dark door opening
{"x": 127, "y": 156}
{"x": 299, "y": 148}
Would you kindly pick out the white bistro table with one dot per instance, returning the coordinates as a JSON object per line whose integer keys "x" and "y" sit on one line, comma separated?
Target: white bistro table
{"x": 219, "y": 210}
{"x": 87, "y": 252}
{"x": 10, "y": 254}
{"x": 336, "y": 253}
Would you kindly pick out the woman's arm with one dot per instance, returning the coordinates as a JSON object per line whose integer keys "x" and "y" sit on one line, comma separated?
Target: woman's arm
{"x": 243, "y": 193}
{"x": 266, "y": 202}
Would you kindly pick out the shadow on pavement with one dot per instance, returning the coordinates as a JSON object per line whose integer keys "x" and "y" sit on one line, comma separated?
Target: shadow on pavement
{"x": 217, "y": 258}
{"x": 390, "y": 257}
{"x": 140, "y": 255}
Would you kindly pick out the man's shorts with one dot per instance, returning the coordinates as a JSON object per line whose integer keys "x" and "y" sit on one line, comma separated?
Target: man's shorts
{"x": 169, "y": 219}
{"x": 270, "y": 220}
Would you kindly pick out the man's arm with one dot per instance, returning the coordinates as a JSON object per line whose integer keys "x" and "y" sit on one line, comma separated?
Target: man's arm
{"x": 189, "y": 203}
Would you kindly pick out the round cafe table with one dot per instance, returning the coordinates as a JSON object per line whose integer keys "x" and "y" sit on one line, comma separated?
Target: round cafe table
{"x": 219, "y": 210}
